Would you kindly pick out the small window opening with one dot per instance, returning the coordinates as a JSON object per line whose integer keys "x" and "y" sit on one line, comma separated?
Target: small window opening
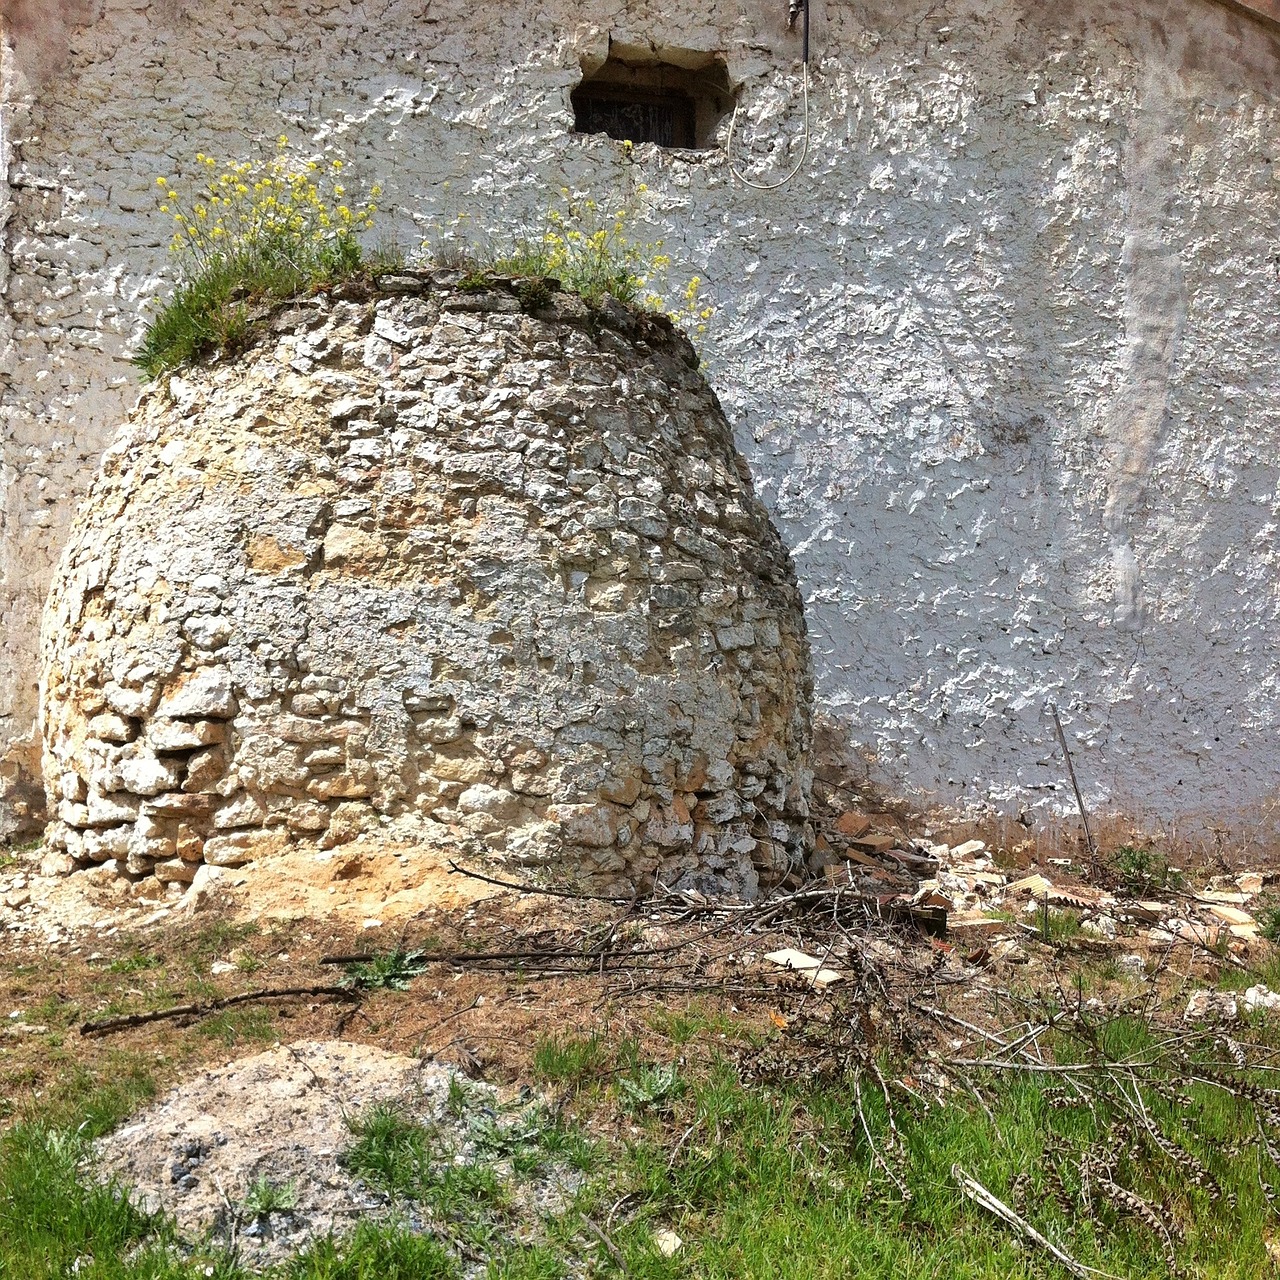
{"x": 671, "y": 97}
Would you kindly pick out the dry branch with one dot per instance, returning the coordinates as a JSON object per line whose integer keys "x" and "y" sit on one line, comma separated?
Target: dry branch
{"x": 104, "y": 1026}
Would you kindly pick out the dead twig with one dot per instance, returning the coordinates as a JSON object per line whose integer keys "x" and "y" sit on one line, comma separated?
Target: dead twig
{"x": 614, "y": 1252}
{"x": 1075, "y": 786}
{"x": 104, "y": 1026}
{"x": 975, "y": 1191}
{"x": 455, "y": 869}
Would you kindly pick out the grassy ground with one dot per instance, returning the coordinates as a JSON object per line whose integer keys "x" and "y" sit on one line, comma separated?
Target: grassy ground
{"x": 757, "y": 1181}
{"x": 770, "y": 1144}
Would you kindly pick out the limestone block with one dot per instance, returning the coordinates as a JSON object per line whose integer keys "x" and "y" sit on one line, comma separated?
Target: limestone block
{"x": 106, "y": 874}
{"x": 667, "y": 829}
{"x": 623, "y": 791}
{"x": 111, "y": 727}
{"x": 348, "y": 821}
{"x": 179, "y": 804}
{"x": 349, "y": 547}
{"x": 204, "y": 769}
{"x": 205, "y": 692}
{"x": 189, "y": 844}
{"x": 138, "y": 864}
{"x": 71, "y": 786}
{"x": 57, "y": 864}
{"x": 105, "y": 811}
{"x": 113, "y": 842}
{"x": 308, "y": 817}
{"x": 145, "y": 775}
{"x": 74, "y": 815}
{"x": 592, "y": 825}
{"x": 331, "y": 786}
{"x": 239, "y": 847}
{"x": 243, "y": 810}
{"x": 183, "y": 735}
{"x": 482, "y": 798}
{"x": 130, "y": 703}
{"x": 175, "y": 871}
{"x": 207, "y": 632}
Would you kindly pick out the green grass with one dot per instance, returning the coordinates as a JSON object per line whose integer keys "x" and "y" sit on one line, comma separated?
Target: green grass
{"x": 218, "y": 308}
{"x": 1143, "y": 872}
{"x": 410, "y": 1161}
{"x": 570, "y": 1060}
{"x": 765, "y": 1166}
{"x": 232, "y": 1026}
{"x": 375, "y": 1252}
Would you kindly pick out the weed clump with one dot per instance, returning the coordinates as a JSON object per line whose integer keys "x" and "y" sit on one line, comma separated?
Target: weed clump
{"x": 387, "y": 971}
{"x": 1143, "y": 872}
{"x": 245, "y": 233}
{"x": 593, "y": 249}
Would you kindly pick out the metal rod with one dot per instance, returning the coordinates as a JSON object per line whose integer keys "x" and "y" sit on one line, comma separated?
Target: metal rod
{"x": 1075, "y": 786}
{"x": 805, "y": 56}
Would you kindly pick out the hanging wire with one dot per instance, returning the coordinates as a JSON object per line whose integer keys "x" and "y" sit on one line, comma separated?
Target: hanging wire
{"x": 804, "y": 151}
{"x": 797, "y": 6}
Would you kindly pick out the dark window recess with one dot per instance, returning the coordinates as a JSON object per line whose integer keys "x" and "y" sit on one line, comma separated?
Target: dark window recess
{"x": 638, "y": 96}
{"x": 669, "y": 119}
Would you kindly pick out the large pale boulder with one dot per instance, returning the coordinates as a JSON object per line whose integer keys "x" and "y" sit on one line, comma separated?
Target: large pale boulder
{"x": 430, "y": 554}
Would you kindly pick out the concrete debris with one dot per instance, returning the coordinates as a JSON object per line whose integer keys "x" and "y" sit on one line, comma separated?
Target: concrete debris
{"x": 810, "y": 966}
{"x": 1211, "y": 1006}
{"x": 667, "y": 1242}
{"x": 283, "y": 1117}
{"x": 970, "y": 895}
{"x": 1261, "y": 997}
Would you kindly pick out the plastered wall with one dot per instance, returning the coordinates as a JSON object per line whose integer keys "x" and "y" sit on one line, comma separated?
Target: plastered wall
{"x": 1004, "y": 356}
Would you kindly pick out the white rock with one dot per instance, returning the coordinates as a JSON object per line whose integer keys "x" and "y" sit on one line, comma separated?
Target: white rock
{"x": 206, "y": 692}
{"x": 243, "y": 810}
{"x": 667, "y": 1242}
{"x": 175, "y": 871}
{"x": 482, "y": 798}
{"x": 1099, "y": 927}
{"x": 207, "y": 632}
{"x": 146, "y": 776}
{"x": 110, "y": 727}
{"x": 129, "y": 702}
{"x": 107, "y": 810}
{"x": 592, "y": 825}
{"x": 243, "y": 846}
{"x": 183, "y": 735}
{"x": 1261, "y": 997}
{"x": 1211, "y": 1006}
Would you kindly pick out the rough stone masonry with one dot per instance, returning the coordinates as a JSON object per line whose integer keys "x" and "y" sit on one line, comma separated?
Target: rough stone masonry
{"x": 1004, "y": 358}
{"x": 432, "y": 554}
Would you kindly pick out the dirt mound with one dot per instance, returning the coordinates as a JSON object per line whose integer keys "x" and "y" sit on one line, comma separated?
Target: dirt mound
{"x": 276, "y": 1119}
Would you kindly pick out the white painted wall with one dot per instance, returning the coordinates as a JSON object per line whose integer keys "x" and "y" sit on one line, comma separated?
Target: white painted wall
{"x": 1004, "y": 357}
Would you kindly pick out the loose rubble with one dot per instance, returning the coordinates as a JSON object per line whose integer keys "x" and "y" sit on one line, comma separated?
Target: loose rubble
{"x": 281, "y": 1118}
{"x": 958, "y": 890}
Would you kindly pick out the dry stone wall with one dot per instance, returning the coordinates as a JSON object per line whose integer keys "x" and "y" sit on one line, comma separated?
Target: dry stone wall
{"x": 1004, "y": 358}
{"x": 431, "y": 554}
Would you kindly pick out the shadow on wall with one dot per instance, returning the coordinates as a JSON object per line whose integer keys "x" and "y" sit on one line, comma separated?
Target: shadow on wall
{"x": 40, "y": 31}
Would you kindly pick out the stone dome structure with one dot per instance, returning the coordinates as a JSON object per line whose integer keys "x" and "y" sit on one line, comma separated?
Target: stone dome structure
{"x": 432, "y": 553}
